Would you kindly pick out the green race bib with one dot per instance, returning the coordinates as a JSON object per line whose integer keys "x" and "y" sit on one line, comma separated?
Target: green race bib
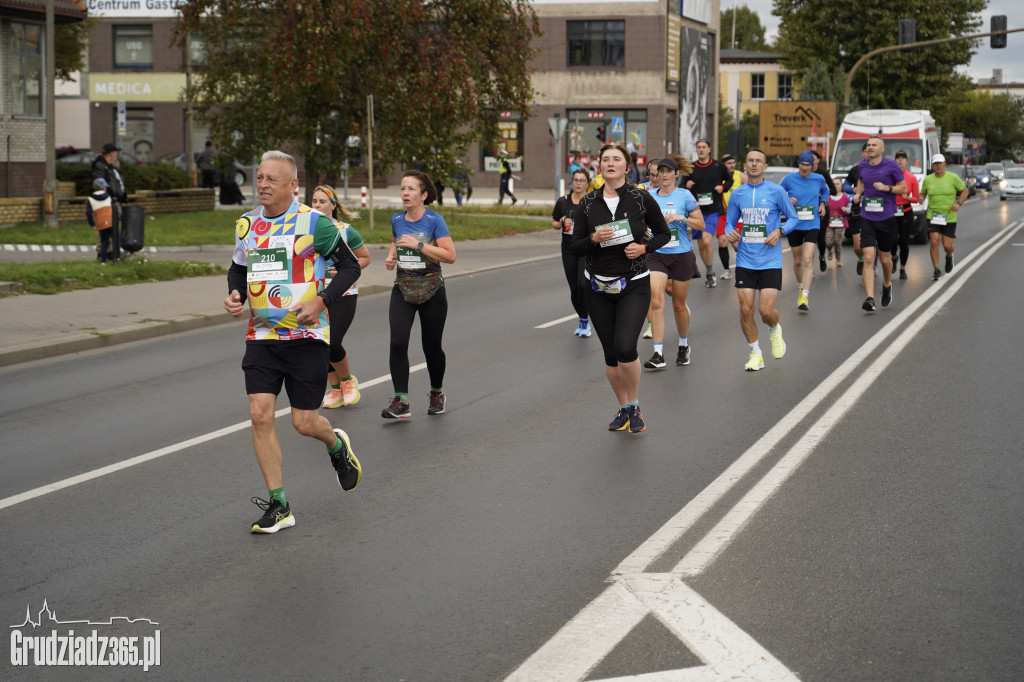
{"x": 755, "y": 234}
{"x": 267, "y": 265}
{"x": 622, "y": 233}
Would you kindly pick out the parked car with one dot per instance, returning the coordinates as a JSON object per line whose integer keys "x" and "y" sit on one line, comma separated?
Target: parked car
{"x": 89, "y": 157}
{"x": 776, "y": 173}
{"x": 983, "y": 176}
{"x": 67, "y": 150}
{"x": 967, "y": 175}
{"x": 996, "y": 169}
{"x": 241, "y": 172}
{"x": 1012, "y": 185}
{"x": 1008, "y": 163}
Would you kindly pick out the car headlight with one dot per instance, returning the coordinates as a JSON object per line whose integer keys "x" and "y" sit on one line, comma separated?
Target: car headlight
{"x": 1002, "y": 183}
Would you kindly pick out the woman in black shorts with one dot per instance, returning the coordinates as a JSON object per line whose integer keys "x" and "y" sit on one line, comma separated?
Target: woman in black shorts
{"x": 614, "y": 228}
{"x": 561, "y": 219}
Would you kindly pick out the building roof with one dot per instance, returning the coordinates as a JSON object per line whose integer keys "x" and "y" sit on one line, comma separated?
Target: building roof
{"x": 733, "y": 56}
{"x": 64, "y": 11}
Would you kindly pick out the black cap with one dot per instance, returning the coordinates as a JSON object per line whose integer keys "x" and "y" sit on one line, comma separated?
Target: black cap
{"x": 110, "y": 147}
{"x": 668, "y": 163}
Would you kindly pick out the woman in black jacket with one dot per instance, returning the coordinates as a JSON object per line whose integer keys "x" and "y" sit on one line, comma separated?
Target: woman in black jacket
{"x": 615, "y": 227}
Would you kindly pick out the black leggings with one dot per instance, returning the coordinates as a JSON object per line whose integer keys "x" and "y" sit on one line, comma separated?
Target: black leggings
{"x": 573, "y": 267}
{"x": 905, "y": 221}
{"x": 340, "y": 313}
{"x": 432, "y": 317}
{"x": 618, "y": 319}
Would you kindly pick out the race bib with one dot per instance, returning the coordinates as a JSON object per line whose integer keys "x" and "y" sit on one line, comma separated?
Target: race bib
{"x": 674, "y": 239}
{"x": 938, "y": 219}
{"x": 410, "y": 259}
{"x": 622, "y": 233}
{"x": 705, "y": 199}
{"x": 267, "y": 265}
{"x": 835, "y": 222}
{"x": 873, "y": 204}
{"x": 804, "y": 212}
{"x": 755, "y": 234}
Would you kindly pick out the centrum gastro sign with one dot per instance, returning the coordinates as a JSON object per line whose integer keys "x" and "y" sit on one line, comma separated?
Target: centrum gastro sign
{"x": 134, "y": 8}
{"x": 136, "y": 87}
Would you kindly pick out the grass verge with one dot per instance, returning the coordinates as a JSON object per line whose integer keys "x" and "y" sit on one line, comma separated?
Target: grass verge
{"x": 57, "y": 276}
{"x": 218, "y": 227}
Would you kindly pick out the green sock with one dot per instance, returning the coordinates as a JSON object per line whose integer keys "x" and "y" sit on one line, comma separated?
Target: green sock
{"x": 337, "y": 446}
{"x": 336, "y": 387}
{"x": 278, "y": 494}
{"x": 404, "y": 397}
{"x": 436, "y": 390}
{"x": 346, "y": 379}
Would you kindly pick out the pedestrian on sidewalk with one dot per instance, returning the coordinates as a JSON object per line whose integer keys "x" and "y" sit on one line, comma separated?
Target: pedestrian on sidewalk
{"x": 506, "y": 178}
{"x": 99, "y": 212}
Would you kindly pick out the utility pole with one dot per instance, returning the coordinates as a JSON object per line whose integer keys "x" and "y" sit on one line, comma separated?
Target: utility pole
{"x": 50, "y": 215}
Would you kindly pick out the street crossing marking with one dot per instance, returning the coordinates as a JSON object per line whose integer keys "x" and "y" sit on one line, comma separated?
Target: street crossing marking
{"x": 728, "y": 652}
{"x": 162, "y": 452}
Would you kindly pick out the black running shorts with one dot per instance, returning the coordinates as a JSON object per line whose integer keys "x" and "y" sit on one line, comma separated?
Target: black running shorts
{"x": 300, "y": 365}
{"x": 758, "y": 279}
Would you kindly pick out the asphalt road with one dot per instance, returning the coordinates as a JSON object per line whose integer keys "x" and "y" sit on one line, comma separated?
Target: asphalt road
{"x": 851, "y": 512}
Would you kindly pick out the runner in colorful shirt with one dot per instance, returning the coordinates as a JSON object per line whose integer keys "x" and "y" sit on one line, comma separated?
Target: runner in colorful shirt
{"x": 760, "y": 205}
{"x": 279, "y": 265}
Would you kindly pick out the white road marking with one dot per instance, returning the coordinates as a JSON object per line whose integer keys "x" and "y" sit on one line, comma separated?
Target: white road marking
{"x": 560, "y": 320}
{"x": 162, "y": 452}
{"x": 728, "y": 652}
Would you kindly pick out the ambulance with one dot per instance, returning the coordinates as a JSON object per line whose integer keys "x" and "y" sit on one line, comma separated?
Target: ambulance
{"x": 908, "y": 130}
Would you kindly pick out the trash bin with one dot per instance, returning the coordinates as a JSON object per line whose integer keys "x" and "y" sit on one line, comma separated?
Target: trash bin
{"x": 133, "y": 226}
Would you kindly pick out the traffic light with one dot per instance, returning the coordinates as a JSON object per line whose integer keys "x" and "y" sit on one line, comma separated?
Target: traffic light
{"x": 601, "y": 133}
{"x": 908, "y": 32}
{"x": 998, "y": 24}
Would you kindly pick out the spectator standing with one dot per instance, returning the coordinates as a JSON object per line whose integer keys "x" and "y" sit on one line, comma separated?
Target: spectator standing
{"x": 99, "y": 212}
{"x": 205, "y": 161}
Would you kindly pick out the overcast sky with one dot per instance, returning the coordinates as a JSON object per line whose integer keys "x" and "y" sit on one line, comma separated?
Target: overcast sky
{"x": 1010, "y": 58}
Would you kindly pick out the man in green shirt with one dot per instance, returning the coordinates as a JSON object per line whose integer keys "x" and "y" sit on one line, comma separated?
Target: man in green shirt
{"x": 947, "y": 193}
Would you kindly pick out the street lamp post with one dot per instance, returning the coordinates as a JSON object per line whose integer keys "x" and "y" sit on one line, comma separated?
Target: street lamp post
{"x": 50, "y": 215}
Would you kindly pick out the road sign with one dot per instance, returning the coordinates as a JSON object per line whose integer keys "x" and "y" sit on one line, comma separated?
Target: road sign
{"x": 122, "y": 117}
{"x": 618, "y": 126}
{"x": 557, "y": 126}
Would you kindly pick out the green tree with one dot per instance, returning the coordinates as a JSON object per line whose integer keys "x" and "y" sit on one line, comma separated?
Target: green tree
{"x": 749, "y": 31}
{"x": 838, "y": 34}
{"x": 297, "y": 76}
{"x": 70, "y": 45}
{"x": 821, "y": 84}
{"x": 997, "y": 118}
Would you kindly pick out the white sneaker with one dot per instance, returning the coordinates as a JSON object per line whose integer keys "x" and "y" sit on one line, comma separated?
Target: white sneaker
{"x": 727, "y": 274}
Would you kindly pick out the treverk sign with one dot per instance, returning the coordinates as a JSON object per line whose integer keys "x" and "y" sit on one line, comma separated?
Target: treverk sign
{"x": 785, "y": 126}
{"x": 136, "y": 87}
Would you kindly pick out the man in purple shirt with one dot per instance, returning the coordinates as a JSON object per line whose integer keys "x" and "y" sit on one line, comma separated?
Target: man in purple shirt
{"x": 881, "y": 179}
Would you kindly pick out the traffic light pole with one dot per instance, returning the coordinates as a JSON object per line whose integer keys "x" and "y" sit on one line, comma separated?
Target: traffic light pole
{"x": 893, "y": 48}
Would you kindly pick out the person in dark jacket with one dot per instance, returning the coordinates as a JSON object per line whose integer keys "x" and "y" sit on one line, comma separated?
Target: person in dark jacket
{"x": 614, "y": 228}
{"x": 821, "y": 168}
{"x": 103, "y": 168}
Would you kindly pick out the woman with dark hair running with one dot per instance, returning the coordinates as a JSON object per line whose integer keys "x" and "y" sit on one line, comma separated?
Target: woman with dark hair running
{"x": 561, "y": 219}
{"x": 343, "y": 387}
{"x": 420, "y": 243}
{"x": 615, "y": 228}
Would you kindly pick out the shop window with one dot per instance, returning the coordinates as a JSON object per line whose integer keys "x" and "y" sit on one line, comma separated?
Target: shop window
{"x": 26, "y": 68}
{"x": 133, "y": 46}
{"x": 596, "y": 43}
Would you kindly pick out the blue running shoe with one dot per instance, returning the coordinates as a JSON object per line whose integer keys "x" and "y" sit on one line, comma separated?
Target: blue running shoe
{"x": 621, "y": 420}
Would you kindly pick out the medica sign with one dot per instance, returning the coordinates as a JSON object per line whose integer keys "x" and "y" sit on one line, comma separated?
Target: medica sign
{"x": 136, "y": 87}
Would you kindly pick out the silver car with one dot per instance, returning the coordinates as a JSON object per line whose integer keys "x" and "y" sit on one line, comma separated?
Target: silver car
{"x": 1012, "y": 184}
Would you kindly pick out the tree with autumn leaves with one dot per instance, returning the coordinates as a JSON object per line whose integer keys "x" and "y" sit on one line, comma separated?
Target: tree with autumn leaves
{"x": 295, "y": 75}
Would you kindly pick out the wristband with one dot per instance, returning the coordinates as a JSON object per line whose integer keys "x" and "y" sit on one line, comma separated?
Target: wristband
{"x": 325, "y": 297}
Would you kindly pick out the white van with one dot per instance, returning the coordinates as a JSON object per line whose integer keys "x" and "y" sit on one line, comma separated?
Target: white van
{"x": 912, "y": 131}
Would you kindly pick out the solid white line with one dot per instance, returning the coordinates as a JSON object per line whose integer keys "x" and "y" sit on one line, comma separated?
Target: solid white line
{"x": 156, "y": 454}
{"x": 683, "y": 520}
{"x": 552, "y": 323}
{"x": 719, "y": 537}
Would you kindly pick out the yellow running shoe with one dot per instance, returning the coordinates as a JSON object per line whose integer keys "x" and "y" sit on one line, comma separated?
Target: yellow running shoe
{"x": 754, "y": 362}
{"x": 801, "y": 301}
{"x": 778, "y": 344}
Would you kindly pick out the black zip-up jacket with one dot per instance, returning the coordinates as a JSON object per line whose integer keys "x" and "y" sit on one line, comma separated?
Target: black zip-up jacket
{"x": 635, "y": 205}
